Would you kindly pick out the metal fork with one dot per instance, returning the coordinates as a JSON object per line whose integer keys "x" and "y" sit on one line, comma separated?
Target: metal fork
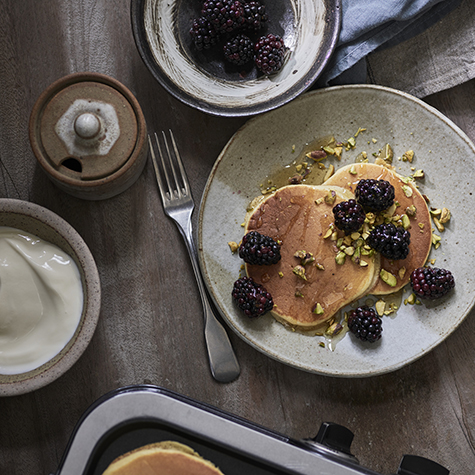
{"x": 178, "y": 205}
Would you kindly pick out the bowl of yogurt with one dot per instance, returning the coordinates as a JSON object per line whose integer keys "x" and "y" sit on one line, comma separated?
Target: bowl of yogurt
{"x": 50, "y": 296}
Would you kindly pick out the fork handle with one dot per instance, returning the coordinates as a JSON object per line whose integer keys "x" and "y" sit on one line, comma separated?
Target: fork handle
{"x": 223, "y": 361}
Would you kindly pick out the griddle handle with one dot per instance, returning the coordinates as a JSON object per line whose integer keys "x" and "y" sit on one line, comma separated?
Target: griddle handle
{"x": 416, "y": 465}
{"x": 335, "y": 436}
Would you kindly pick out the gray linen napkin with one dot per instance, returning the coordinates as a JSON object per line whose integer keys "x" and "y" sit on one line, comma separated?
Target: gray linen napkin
{"x": 441, "y": 57}
{"x": 371, "y": 24}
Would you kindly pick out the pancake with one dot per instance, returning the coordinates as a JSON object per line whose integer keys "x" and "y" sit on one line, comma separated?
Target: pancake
{"x": 420, "y": 224}
{"x": 291, "y": 215}
{"x": 162, "y": 458}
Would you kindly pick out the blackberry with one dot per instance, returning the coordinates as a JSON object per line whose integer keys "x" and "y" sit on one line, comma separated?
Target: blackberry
{"x": 203, "y": 34}
{"x": 349, "y": 216}
{"x": 390, "y": 241}
{"x": 224, "y": 15}
{"x": 431, "y": 282}
{"x": 239, "y": 50}
{"x": 365, "y": 324}
{"x": 252, "y": 298}
{"x": 374, "y": 195}
{"x": 254, "y": 15}
{"x": 270, "y": 51}
{"x": 258, "y": 249}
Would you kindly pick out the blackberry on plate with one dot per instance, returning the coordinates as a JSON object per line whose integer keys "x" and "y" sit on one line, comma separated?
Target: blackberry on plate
{"x": 431, "y": 282}
{"x": 390, "y": 241}
{"x": 256, "y": 248}
{"x": 239, "y": 50}
{"x": 252, "y": 298}
{"x": 203, "y": 34}
{"x": 224, "y": 15}
{"x": 365, "y": 324}
{"x": 349, "y": 216}
{"x": 254, "y": 15}
{"x": 374, "y": 195}
{"x": 270, "y": 51}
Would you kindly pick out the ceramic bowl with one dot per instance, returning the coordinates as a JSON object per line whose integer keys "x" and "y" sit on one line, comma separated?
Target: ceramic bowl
{"x": 45, "y": 224}
{"x": 203, "y": 80}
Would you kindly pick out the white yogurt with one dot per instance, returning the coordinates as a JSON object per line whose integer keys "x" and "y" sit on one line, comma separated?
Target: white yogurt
{"x": 41, "y": 300}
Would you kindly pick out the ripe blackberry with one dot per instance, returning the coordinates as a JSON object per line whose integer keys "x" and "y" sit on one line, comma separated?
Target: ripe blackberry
{"x": 374, "y": 195}
{"x": 365, "y": 324}
{"x": 349, "y": 216}
{"x": 252, "y": 298}
{"x": 258, "y": 249}
{"x": 255, "y": 15}
{"x": 239, "y": 50}
{"x": 224, "y": 15}
{"x": 203, "y": 34}
{"x": 431, "y": 282}
{"x": 390, "y": 241}
{"x": 270, "y": 51}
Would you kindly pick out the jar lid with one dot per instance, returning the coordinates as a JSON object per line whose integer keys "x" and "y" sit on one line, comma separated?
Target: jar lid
{"x": 88, "y": 133}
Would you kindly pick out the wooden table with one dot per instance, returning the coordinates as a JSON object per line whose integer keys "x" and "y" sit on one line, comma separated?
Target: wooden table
{"x": 147, "y": 332}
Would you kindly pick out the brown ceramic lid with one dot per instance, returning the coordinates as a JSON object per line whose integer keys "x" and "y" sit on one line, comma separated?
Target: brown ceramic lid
{"x": 88, "y": 133}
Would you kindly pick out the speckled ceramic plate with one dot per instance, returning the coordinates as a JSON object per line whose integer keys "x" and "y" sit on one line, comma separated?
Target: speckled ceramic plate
{"x": 264, "y": 144}
{"x": 202, "y": 79}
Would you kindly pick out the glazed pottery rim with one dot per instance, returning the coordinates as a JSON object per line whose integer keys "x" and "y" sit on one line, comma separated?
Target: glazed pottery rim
{"x": 13, "y": 210}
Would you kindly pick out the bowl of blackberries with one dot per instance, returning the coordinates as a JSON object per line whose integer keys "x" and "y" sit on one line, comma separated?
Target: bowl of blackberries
{"x": 236, "y": 57}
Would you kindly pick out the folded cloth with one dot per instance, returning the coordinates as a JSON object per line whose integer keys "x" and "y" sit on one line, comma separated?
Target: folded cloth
{"x": 371, "y": 24}
{"x": 441, "y": 57}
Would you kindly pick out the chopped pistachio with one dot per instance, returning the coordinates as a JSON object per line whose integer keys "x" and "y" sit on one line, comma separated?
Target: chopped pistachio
{"x": 330, "y": 197}
{"x": 355, "y": 236}
{"x": 445, "y": 216}
{"x": 363, "y": 264}
{"x": 380, "y": 306}
{"x": 408, "y": 156}
{"x": 407, "y": 190}
{"x": 349, "y": 251}
{"x": 329, "y": 150}
{"x": 406, "y": 223}
{"x": 328, "y": 233}
{"x": 317, "y": 309}
{"x": 338, "y": 151}
{"x": 305, "y": 257}
{"x": 281, "y": 274}
{"x": 298, "y": 293}
{"x": 388, "y": 278}
{"x": 359, "y": 130}
{"x": 339, "y": 243}
{"x": 329, "y": 173}
{"x": 411, "y": 210}
{"x": 319, "y": 201}
{"x": 347, "y": 240}
{"x": 373, "y": 140}
{"x": 421, "y": 225}
{"x": 334, "y": 329}
{"x": 411, "y": 300}
{"x": 319, "y": 266}
{"x": 353, "y": 170}
{"x": 351, "y": 142}
{"x": 234, "y": 246}
{"x": 317, "y": 155}
{"x": 436, "y": 240}
{"x": 440, "y": 227}
{"x": 334, "y": 236}
{"x": 418, "y": 174}
{"x": 386, "y": 154}
{"x": 401, "y": 272}
{"x": 299, "y": 271}
{"x": 340, "y": 258}
{"x": 361, "y": 157}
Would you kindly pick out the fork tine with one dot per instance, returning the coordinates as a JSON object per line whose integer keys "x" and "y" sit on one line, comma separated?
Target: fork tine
{"x": 158, "y": 175}
{"x": 186, "y": 186}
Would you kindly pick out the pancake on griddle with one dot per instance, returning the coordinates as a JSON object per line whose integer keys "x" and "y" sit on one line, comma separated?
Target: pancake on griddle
{"x": 299, "y": 218}
{"x": 420, "y": 224}
{"x": 162, "y": 458}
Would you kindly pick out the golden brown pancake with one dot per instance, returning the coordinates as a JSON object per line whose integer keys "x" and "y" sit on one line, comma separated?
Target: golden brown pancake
{"x": 420, "y": 228}
{"x": 291, "y": 215}
{"x": 162, "y": 458}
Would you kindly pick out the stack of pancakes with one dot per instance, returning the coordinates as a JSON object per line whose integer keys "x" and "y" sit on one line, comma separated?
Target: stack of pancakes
{"x": 300, "y": 216}
{"x": 162, "y": 458}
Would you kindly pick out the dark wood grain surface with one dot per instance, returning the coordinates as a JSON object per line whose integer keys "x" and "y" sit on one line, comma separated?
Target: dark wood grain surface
{"x": 150, "y": 328}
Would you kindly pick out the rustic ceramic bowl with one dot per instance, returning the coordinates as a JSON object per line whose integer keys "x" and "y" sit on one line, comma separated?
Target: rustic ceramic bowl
{"x": 45, "y": 224}
{"x": 203, "y": 80}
